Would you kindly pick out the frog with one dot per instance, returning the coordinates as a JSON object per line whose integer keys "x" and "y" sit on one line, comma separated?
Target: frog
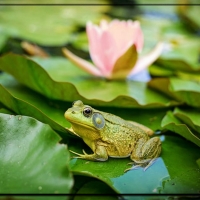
{"x": 109, "y": 135}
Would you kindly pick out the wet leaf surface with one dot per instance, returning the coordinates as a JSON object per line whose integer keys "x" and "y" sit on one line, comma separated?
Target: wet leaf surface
{"x": 24, "y": 101}
{"x": 47, "y": 87}
{"x": 185, "y": 91}
{"x": 58, "y": 79}
{"x": 56, "y": 26}
{"x": 168, "y": 167}
{"x": 31, "y": 149}
{"x": 172, "y": 123}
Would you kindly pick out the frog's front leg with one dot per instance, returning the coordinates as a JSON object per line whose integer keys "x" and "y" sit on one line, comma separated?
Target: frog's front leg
{"x": 100, "y": 154}
{"x": 146, "y": 152}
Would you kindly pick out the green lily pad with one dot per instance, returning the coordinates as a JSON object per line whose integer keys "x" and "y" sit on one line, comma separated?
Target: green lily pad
{"x": 59, "y": 79}
{"x": 24, "y": 101}
{"x": 5, "y": 111}
{"x": 183, "y": 180}
{"x": 82, "y": 185}
{"x": 31, "y": 158}
{"x": 156, "y": 70}
{"x": 159, "y": 9}
{"x": 181, "y": 90}
{"x": 183, "y": 56}
{"x": 57, "y": 23}
{"x": 171, "y": 164}
{"x": 187, "y": 90}
{"x": 111, "y": 172}
{"x": 198, "y": 162}
{"x": 3, "y": 39}
{"x": 189, "y": 178}
{"x": 190, "y": 117}
{"x": 80, "y": 41}
{"x": 172, "y": 123}
{"x": 188, "y": 14}
{"x": 95, "y": 187}
{"x": 181, "y": 47}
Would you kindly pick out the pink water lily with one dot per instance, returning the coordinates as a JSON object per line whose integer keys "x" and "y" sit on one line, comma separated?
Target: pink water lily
{"x": 114, "y": 49}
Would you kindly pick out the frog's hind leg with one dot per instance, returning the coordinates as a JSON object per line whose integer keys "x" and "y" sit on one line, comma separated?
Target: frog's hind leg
{"x": 145, "y": 153}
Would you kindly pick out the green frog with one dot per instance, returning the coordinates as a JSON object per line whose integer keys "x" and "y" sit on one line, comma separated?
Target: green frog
{"x": 111, "y": 136}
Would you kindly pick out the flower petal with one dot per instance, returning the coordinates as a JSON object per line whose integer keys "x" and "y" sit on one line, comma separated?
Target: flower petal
{"x": 139, "y": 38}
{"x": 125, "y": 33}
{"x": 102, "y": 47}
{"x": 94, "y": 33}
{"x": 109, "y": 41}
{"x": 148, "y": 59}
{"x": 125, "y": 63}
{"x": 83, "y": 64}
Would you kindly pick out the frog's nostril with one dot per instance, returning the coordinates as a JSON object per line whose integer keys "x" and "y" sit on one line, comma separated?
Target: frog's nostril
{"x": 73, "y": 112}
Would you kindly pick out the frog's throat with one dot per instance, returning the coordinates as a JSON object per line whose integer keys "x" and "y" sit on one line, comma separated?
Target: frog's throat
{"x": 83, "y": 125}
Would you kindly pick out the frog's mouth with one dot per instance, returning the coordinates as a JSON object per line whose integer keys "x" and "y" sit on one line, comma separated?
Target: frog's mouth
{"x": 81, "y": 125}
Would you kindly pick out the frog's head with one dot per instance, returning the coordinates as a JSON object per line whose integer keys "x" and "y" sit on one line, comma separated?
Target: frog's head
{"x": 84, "y": 116}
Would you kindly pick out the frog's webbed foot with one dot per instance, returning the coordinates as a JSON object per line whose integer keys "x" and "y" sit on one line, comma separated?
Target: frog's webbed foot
{"x": 138, "y": 164}
{"x": 145, "y": 153}
{"x": 135, "y": 166}
{"x": 131, "y": 168}
{"x": 100, "y": 155}
{"x": 82, "y": 156}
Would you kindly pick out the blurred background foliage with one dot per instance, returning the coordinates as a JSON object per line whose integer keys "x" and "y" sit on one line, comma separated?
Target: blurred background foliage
{"x": 37, "y": 85}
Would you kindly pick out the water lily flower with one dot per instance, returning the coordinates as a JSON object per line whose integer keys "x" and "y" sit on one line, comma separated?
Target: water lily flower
{"x": 114, "y": 49}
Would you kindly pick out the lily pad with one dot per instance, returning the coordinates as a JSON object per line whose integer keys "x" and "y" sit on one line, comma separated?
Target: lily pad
{"x": 198, "y": 162}
{"x": 32, "y": 158}
{"x": 57, "y": 23}
{"x": 184, "y": 176}
{"x": 181, "y": 47}
{"x": 112, "y": 171}
{"x": 157, "y": 11}
{"x": 172, "y": 123}
{"x": 188, "y": 14}
{"x": 167, "y": 167}
{"x": 59, "y": 79}
{"x": 190, "y": 117}
{"x": 181, "y": 90}
{"x": 189, "y": 91}
{"x": 95, "y": 187}
{"x": 83, "y": 185}
{"x": 24, "y": 101}
{"x": 5, "y": 111}
{"x": 189, "y": 178}
{"x": 3, "y": 39}
{"x": 156, "y": 70}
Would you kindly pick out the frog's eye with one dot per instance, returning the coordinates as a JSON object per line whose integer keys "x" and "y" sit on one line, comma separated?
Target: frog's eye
{"x": 87, "y": 112}
{"x": 98, "y": 120}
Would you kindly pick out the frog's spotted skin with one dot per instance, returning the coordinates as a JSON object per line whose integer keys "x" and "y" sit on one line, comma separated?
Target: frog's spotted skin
{"x": 111, "y": 136}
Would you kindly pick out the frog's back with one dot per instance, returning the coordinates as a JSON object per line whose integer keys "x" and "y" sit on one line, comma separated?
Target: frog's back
{"x": 120, "y": 135}
{"x": 124, "y": 125}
